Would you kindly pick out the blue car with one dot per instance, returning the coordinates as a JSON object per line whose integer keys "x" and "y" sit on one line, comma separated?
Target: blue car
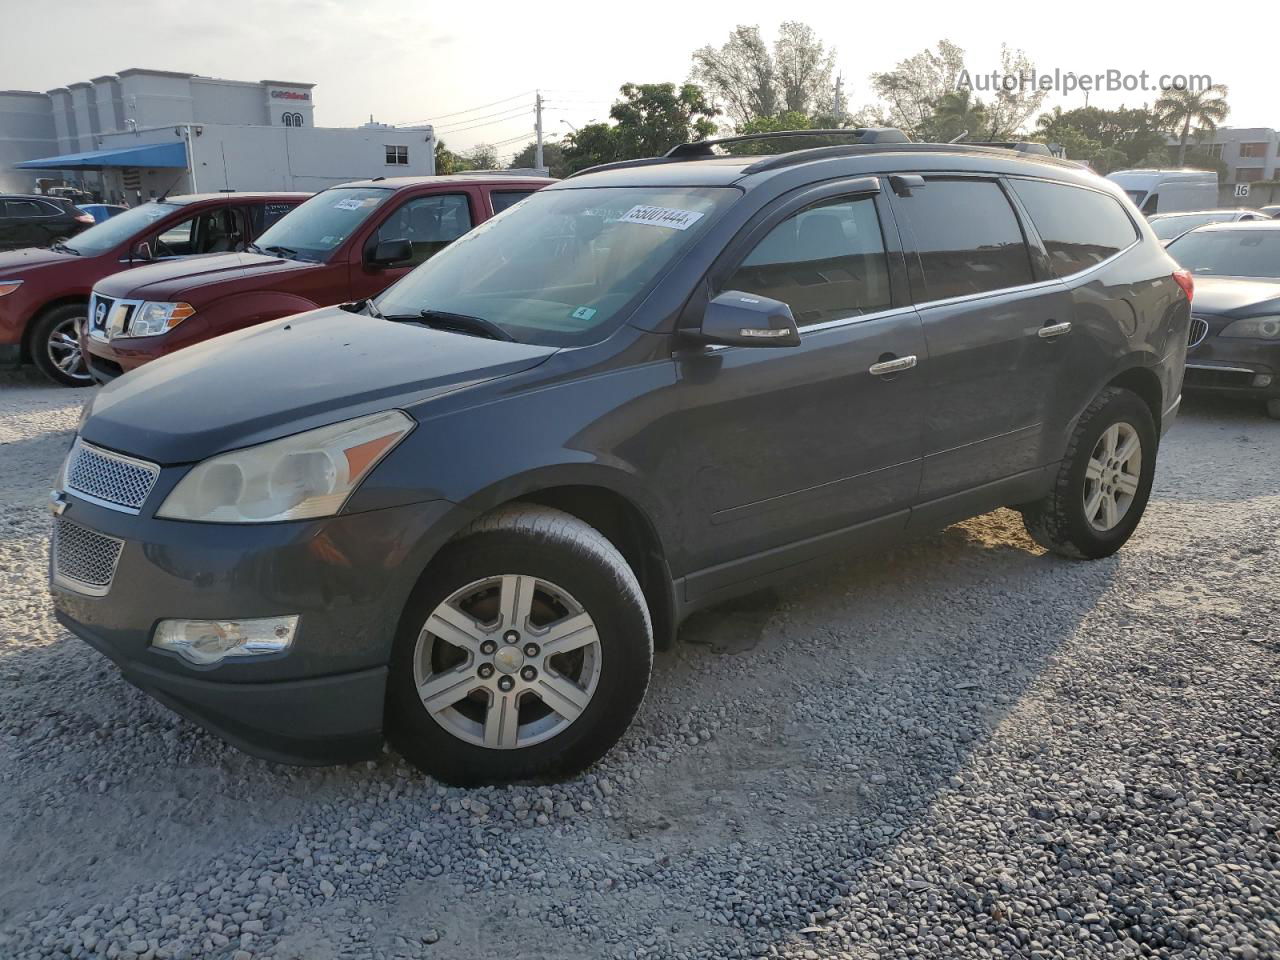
{"x": 101, "y": 211}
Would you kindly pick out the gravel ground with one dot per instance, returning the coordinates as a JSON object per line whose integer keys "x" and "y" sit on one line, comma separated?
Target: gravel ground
{"x": 962, "y": 748}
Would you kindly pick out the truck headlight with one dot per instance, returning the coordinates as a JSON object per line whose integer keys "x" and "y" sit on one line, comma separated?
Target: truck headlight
{"x": 307, "y": 475}
{"x": 154, "y": 318}
{"x": 1254, "y": 328}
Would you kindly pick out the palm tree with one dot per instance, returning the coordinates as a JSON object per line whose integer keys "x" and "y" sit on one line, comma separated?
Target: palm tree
{"x": 1180, "y": 108}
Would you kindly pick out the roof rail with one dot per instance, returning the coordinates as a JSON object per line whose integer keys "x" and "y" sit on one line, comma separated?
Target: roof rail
{"x": 706, "y": 148}
{"x": 1022, "y": 146}
{"x": 780, "y": 160}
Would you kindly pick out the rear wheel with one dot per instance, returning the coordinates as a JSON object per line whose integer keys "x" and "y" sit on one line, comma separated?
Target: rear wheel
{"x": 1103, "y": 482}
{"x": 525, "y": 652}
{"x": 55, "y": 345}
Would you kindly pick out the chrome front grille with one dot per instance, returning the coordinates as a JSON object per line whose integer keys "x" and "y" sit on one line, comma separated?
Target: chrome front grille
{"x": 110, "y": 479}
{"x": 108, "y": 317}
{"x": 82, "y": 559}
{"x": 1199, "y": 330}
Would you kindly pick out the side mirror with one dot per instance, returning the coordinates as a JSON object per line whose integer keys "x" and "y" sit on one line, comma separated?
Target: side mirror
{"x": 389, "y": 252}
{"x": 141, "y": 251}
{"x": 738, "y": 319}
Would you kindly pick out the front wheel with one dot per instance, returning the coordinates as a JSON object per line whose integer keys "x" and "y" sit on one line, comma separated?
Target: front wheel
{"x": 525, "y": 652}
{"x": 1103, "y": 482}
{"x": 55, "y": 346}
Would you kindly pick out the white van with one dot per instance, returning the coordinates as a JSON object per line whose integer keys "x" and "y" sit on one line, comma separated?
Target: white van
{"x": 1168, "y": 191}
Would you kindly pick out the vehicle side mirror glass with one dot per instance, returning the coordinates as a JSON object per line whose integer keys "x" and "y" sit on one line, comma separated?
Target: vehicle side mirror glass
{"x": 740, "y": 319}
{"x": 388, "y": 252}
{"x": 141, "y": 251}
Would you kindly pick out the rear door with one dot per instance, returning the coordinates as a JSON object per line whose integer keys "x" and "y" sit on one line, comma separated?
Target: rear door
{"x": 799, "y": 443}
{"x": 991, "y": 322}
{"x": 27, "y": 222}
{"x": 430, "y": 222}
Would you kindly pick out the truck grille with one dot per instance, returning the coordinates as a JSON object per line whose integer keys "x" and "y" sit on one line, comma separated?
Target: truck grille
{"x": 84, "y": 560}
{"x": 110, "y": 479}
{"x": 99, "y": 312}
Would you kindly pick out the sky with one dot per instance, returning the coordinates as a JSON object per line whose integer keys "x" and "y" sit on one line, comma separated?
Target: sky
{"x": 471, "y": 69}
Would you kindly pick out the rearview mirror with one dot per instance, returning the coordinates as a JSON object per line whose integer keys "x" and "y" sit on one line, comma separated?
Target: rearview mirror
{"x": 740, "y": 319}
{"x": 141, "y": 251}
{"x": 389, "y": 252}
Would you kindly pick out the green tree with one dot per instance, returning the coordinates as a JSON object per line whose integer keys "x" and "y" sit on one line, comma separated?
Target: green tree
{"x": 589, "y": 146}
{"x": 447, "y": 161}
{"x": 955, "y": 114}
{"x": 1129, "y": 136}
{"x": 913, "y": 88}
{"x": 1180, "y": 109}
{"x": 750, "y": 81}
{"x": 791, "y": 120}
{"x": 481, "y": 157}
{"x": 649, "y": 120}
{"x": 552, "y": 157}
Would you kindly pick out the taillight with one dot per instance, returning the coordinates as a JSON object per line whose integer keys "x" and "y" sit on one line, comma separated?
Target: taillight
{"x": 1185, "y": 281}
{"x": 85, "y": 218}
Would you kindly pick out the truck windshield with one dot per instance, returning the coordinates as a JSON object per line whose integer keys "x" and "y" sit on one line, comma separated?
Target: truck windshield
{"x": 1229, "y": 253}
{"x": 562, "y": 267}
{"x": 317, "y": 227}
{"x": 111, "y": 233}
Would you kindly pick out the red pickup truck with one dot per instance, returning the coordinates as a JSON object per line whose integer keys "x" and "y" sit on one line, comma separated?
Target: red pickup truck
{"x": 44, "y": 293}
{"x": 348, "y": 242}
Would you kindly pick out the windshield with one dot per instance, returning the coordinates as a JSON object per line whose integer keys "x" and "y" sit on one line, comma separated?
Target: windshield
{"x": 1229, "y": 253}
{"x": 317, "y": 227}
{"x": 1167, "y": 228}
{"x": 111, "y": 233}
{"x": 561, "y": 267}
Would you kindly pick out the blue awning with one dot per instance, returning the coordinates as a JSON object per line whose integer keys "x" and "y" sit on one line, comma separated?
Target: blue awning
{"x": 144, "y": 155}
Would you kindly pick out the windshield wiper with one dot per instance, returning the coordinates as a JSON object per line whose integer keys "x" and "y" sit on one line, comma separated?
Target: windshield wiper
{"x": 63, "y": 248}
{"x": 457, "y": 323}
{"x": 253, "y": 247}
{"x": 283, "y": 251}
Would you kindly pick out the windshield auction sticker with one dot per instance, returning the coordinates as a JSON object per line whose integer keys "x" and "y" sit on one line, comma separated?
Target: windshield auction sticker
{"x": 661, "y": 217}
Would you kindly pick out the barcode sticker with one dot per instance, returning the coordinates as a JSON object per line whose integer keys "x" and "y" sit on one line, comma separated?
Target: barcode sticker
{"x": 661, "y": 217}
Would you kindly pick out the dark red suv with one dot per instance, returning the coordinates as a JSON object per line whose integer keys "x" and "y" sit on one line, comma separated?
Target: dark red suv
{"x": 44, "y": 293}
{"x": 346, "y": 243}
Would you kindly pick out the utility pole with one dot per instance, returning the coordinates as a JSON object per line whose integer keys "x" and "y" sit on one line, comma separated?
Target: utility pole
{"x": 537, "y": 109}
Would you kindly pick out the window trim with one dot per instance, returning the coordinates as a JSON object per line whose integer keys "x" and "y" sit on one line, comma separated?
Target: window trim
{"x": 388, "y": 147}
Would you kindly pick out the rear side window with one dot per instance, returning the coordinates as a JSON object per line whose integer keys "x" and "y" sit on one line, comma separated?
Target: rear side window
{"x": 507, "y": 198}
{"x": 826, "y": 262}
{"x": 263, "y": 215}
{"x": 1081, "y": 227}
{"x": 967, "y": 237}
{"x": 29, "y": 208}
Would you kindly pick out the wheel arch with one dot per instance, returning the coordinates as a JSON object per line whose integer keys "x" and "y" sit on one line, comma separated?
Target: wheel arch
{"x": 28, "y": 330}
{"x": 1143, "y": 381}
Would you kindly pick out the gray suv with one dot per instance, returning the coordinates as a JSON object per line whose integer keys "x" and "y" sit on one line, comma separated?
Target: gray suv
{"x": 463, "y": 513}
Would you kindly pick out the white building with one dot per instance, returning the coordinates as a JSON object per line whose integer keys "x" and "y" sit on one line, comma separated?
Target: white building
{"x": 1250, "y": 153}
{"x": 145, "y": 133}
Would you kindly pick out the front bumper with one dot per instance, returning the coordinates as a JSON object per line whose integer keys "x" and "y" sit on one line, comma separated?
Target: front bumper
{"x": 348, "y": 577}
{"x": 1234, "y": 366}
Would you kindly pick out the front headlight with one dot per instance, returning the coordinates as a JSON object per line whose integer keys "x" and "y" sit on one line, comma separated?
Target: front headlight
{"x": 1254, "y": 328}
{"x": 154, "y": 318}
{"x": 307, "y": 475}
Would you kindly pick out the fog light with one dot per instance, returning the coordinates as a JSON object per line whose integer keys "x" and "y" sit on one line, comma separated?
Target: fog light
{"x": 208, "y": 641}
{"x": 1262, "y": 380}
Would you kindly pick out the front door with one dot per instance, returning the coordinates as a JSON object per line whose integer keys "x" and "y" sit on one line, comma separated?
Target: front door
{"x": 798, "y": 444}
{"x": 430, "y": 223}
{"x": 990, "y": 328}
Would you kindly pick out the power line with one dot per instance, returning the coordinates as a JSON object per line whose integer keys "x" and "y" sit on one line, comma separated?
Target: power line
{"x": 458, "y": 113}
{"x": 500, "y": 115}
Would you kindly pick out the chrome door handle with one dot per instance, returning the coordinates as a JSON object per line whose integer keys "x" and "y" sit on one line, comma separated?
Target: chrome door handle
{"x": 1053, "y": 330}
{"x": 892, "y": 366}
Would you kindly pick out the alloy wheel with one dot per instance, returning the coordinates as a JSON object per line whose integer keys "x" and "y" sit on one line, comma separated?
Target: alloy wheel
{"x": 507, "y": 662}
{"x": 1111, "y": 477}
{"x": 63, "y": 348}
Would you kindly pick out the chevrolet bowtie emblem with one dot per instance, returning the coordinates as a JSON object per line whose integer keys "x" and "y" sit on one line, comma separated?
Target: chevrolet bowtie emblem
{"x": 57, "y": 502}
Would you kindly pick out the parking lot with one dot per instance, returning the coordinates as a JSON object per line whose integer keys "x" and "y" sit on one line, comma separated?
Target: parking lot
{"x": 962, "y": 748}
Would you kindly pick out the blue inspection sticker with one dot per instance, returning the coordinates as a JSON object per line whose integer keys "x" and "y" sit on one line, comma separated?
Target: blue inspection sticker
{"x": 583, "y": 313}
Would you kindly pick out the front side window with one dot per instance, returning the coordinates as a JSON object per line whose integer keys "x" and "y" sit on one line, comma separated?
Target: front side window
{"x": 398, "y": 156}
{"x": 104, "y": 236}
{"x": 1079, "y": 227}
{"x": 318, "y": 226}
{"x": 967, "y": 237}
{"x": 1229, "y": 253}
{"x": 826, "y": 262}
{"x": 429, "y": 223}
{"x": 563, "y": 267}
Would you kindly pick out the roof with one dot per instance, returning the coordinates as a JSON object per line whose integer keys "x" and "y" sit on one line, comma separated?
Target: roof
{"x": 1230, "y": 226}
{"x": 396, "y": 183}
{"x": 240, "y": 195}
{"x": 1200, "y": 213}
{"x": 153, "y": 155}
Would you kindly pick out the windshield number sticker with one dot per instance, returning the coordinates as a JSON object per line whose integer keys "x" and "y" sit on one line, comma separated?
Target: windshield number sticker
{"x": 583, "y": 313}
{"x": 349, "y": 203}
{"x": 668, "y": 217}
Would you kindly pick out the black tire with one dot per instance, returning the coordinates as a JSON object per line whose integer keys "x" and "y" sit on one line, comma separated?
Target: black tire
{"x": 46, "y": 357}
{"x": 534, "y": 541}
{"x": 1273, "y": 408}
{"x": 1059, "y": 522}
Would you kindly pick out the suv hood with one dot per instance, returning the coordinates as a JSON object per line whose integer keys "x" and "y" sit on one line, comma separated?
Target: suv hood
{"x": 287, "y": 376}
{"x": 17, "y": 264}
{"x": 175, "y": 279}
{"x": 1243, "y": 296}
